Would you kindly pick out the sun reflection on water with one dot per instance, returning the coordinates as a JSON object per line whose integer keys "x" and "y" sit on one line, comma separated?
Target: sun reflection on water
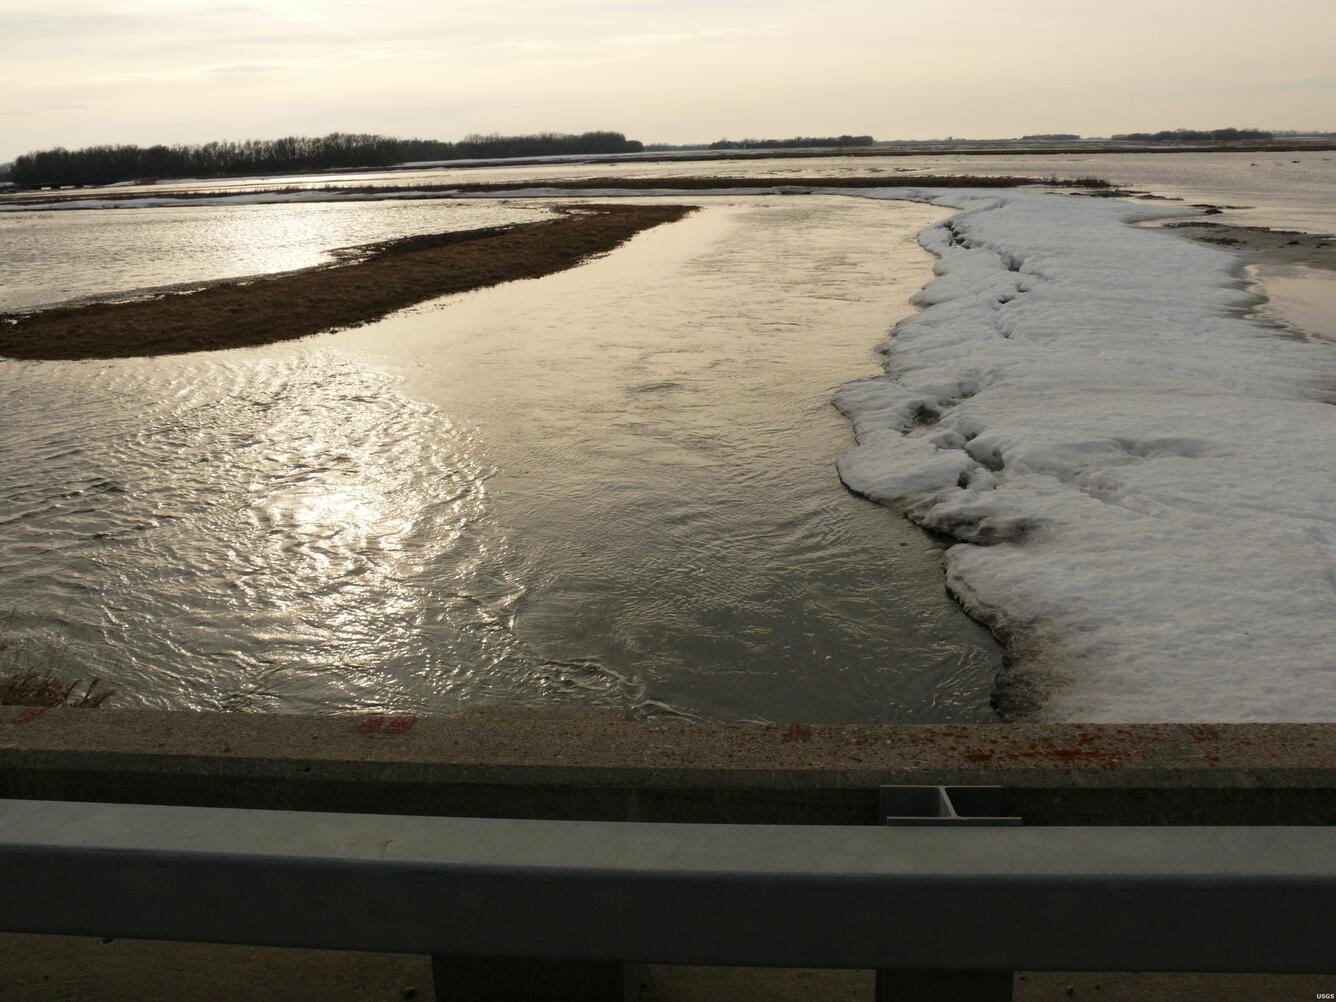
{"x": 316, "y": 540}
{"x": 642, "y": 507}
{"x": 51, "y": 257}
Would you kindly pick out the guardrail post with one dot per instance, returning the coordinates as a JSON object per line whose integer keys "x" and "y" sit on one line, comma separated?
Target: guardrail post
{"x": 522, "y": 979}
{"x": 948, "y": 806}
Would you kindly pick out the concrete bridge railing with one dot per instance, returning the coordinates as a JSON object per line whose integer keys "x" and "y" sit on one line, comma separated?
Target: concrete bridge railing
{"x": 485, "y": 839}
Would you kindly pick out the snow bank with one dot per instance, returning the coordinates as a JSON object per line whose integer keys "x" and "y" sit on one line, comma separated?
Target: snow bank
{"x": 1142, "y": 482}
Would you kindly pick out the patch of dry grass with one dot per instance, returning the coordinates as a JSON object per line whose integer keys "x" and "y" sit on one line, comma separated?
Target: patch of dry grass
{"x": 34, "y": 688}
{"x": 32, "y": 674}
{"x": 368, "y": 285}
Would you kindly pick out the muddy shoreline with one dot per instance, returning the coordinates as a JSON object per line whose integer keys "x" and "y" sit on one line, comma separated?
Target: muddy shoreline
{"x": 1264, "y": 246}
{"x": 370, "y": 283}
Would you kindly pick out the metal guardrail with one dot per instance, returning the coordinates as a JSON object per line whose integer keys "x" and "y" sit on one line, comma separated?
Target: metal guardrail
{"x": 910, "y": 899}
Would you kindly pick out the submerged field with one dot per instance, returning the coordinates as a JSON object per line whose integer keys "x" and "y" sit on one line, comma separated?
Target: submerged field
{"x": 375, "y": 281}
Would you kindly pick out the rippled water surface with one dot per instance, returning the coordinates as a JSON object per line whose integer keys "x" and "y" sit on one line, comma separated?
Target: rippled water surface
{"x": 611, "y": 486}
{"x": 52, "y": 257}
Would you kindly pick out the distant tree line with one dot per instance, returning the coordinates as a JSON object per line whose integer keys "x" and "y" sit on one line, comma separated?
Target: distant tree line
{"x": 1297, "y": 134}
{"x": 107, "y": 164}
{"x": 796, "y": 141}
{"x": 1195, "y": 135}
{"x": 1050, "y": 137}
{"x": 538, "y": 145}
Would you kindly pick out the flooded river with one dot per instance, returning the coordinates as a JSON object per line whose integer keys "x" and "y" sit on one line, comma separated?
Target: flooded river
{"x": 48, "y": 258}
{"x": 1284, "y": 190}
{"x": 612, "y": 486}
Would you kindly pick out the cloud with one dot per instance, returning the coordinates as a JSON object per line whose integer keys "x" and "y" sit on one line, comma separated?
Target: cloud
{"x": 675, "y": 70}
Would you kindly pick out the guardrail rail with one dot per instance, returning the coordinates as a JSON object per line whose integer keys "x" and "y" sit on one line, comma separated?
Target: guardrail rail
{"x": 943, "y": 911}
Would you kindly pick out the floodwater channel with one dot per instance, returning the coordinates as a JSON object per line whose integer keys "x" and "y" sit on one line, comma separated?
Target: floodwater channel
{"x": 613, "y": 486}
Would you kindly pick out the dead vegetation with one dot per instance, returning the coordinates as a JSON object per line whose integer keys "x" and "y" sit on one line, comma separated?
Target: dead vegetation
{"x": 34, "y": 688}
{"x": 32, "y": 674}
{"x": 368, "y": 285}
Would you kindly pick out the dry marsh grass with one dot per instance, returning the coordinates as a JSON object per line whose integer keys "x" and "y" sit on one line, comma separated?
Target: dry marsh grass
{"x": 34, "y": 688}
{"x": 367, "y": 285}
{"x": 32, "y": 673}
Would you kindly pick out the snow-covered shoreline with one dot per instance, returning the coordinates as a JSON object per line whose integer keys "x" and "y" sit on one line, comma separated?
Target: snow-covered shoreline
{"x": 1141, "y": 480}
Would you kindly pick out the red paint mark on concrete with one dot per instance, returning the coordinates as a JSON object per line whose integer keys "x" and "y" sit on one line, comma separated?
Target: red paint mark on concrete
{"x": 30, "y": 714}
{"x": 1086, "y": 749}
{"x": 381, "y": 724}
{"x": 798, "y": 732}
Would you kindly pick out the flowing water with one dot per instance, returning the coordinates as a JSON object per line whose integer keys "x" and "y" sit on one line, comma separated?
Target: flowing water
{"x": 612, "y": 486}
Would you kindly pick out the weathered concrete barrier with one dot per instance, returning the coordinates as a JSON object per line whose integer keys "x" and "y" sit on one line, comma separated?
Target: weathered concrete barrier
{"x": 598, "y": 765}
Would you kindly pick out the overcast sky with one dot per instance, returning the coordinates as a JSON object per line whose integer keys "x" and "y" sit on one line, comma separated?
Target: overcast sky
{"x": 82, "y": 72}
